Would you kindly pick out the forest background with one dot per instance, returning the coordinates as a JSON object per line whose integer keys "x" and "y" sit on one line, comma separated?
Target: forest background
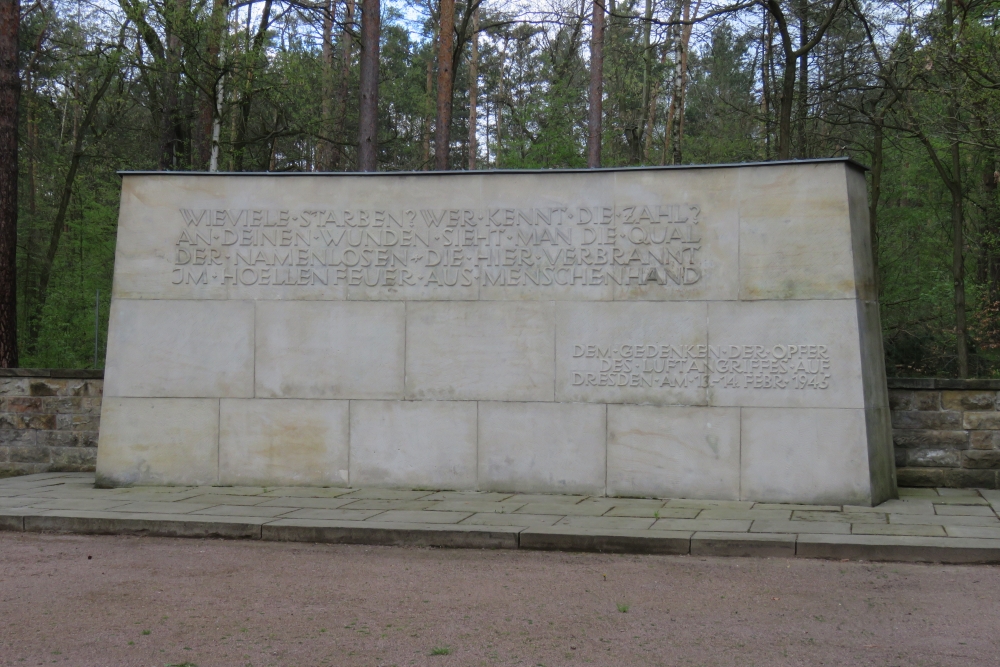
{"x": 911, "y": 89}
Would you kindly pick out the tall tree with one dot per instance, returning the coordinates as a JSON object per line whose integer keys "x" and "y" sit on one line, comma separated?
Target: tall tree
{"x": 474, "y": 90}
{"x": 791, "y": 55}
{"x": 595, "y": 107}
{"x": 10, "y": 91}
{"x": 346, "y": 51}
{"x": 445, "y": 84}
{"x": 324, "y": 154}
{"x": 368, "y": 112}
{"x": 255, "y": 58}
{"x": 175, "y": 13}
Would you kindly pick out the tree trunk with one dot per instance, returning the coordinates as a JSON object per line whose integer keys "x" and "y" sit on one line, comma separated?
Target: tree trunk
{"x": 473, "y": 90}
{"x": 368, "y": 111}
{"x": 766, "y": 68}
{"x": 674, "y": 134}
{"x": 647, "y": 78}
{"x": 213, "y": 162}
{"x": 651, "y": 113}
{"x": 682, "y": 91}
{"x": 428, "y": 120}
{"x": 595, "y": 111}
{"x": 785, "y": 107}
{"x": 10, "y": 92}
{"x": 803, "y": 77}
{"x": 324, "y": 154}
{"x": 210, "y": 113}
{"x": 788, "y": 75}
{"x": 345, "y": 76}
{"x": 246, "y": 99}
{"x": 445, "y": 81}
{"x": 171, "y": 87}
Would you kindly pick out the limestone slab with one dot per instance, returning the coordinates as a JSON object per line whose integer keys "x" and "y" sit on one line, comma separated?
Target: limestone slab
{"x": 222, "y": 499}
{"x": 785, "y": 354}
{"x": 941, "y": 520}
{"x": 542, "y": 447}
{"x": 800, "y": 455}
{"x": 158, "y": 441}
{"x": 816, "y": 527}
{"x": 724, "y": 525}
{"x": 244, "y": 511}
{"x": 635, "y": 352}
{"x": 473, "y": 506}
{"x": 653, "y": 512}
{"x": 306, "y": 492}
{"x": 418, "y": 516}
{"x": 283, "y": 441}
{"x": 973, "y": 531}
{"x": 753, "y": 515}
{"x": 480, "y": 351}
{"x": 376, "y": 504}
{"x": 154, "y": 507}
{"x": 430, "y": 220}
{"x": 218, "y": 238}
{"x": 471, "y": 496}
{"x": 79, "y": 504}
{"x": 429, "y": 445}
{"x": 377, "y": 493}
{"x": 566, "y": 509}
{"x": 526, "y": 520}
{"x": 609, "y": 522}
{"x": 795, "y": 233}
{"x": 337, "y": 514}
{"x": 306, "y": 503}
{"x": 700, "y": 245}
{"x": 546, "y": 498}
{"x": 183, "y": 349}
{"x": 674, "y": 452}
{"x": 897, "y": 529}
{"x": 564, "y": 253}
{"x": 329, "y": 350}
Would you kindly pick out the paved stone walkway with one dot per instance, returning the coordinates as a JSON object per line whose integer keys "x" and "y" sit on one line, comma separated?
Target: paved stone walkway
{"x": 945, "y": 525}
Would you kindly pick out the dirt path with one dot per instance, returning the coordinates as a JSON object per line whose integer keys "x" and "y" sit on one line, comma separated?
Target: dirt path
{"x": 106, "y": 601}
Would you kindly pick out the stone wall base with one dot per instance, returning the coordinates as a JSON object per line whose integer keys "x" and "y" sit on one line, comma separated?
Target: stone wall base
{"x": 49, "y": 420}
{"x": 946, "y": 433}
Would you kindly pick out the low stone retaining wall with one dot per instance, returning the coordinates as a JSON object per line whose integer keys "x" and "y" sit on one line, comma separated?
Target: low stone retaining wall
{"x": 946, "y": 432}
{"x": 49, "y": 420}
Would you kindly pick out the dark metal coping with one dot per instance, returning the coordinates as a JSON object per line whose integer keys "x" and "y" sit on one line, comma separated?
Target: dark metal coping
{"x": 53, "y": 373}
{"x": 944, "y": 383}
{"x": 466, "y": 172}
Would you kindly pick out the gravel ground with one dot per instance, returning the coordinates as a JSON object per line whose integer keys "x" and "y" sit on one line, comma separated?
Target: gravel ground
{"x": 103, "y": 601}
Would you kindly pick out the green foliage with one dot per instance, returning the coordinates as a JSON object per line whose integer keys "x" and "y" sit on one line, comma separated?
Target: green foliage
{"x": 281, "y": 107}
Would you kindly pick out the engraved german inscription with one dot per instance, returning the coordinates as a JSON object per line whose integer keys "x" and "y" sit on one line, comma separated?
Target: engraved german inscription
{"x": 648, "y": 364}
{"x": 636, "y": 244}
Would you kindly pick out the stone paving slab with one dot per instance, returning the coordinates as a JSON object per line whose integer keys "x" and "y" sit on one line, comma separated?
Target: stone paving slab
{"x": 945, "y": 525}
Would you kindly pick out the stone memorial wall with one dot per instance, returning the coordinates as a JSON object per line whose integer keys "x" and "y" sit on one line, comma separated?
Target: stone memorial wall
{"x": 696, "y": 332}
